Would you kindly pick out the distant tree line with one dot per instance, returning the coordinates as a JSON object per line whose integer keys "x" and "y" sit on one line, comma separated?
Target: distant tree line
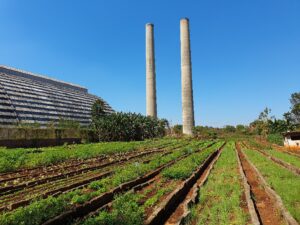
{"x": 272, "y": 128}
{"x": 265, "y": 125}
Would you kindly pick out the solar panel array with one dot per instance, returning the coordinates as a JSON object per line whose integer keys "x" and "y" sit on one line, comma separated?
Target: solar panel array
{"x": 29, "y": 98}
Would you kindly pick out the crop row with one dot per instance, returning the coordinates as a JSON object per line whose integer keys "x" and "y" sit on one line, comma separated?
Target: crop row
{"x": 285, "y": 183}
{"x": 291, "y": 159}
{"x": 140, "y": 207}
{"x": 68, "y": 183}
{"x": 35, "y": 176}
{"x": 221, "y": 198}
{"x": 15, "y": 159}
{"x": 42, "y": 210}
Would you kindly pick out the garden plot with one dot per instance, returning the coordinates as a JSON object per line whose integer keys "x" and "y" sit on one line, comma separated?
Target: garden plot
{"x": 42, "y": 210}
{"x": 17, "y": 159}
{"x": 56, "y": 187}
{"x": 221, "y": 200}
{"x": 156, "y": 200}
{"x": 293, "y": 160}
{"x": 281, "y": 181}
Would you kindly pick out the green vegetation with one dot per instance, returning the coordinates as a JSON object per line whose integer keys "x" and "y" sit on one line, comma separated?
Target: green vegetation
{"x": 13, "y": 159}
{"x": 134, "y": 170}
{"x": 184, "y": 168}
{"x": 221, "y": 196}
{"x": 293, "y": 160}
{"x": 293, "y": 116}
{"x": 272, "y": 128}
{"x": 125, "y": 211}
{"x": 155, "y": 198}
{"x": 128, "y": 127}
{"x": 275, "y": 139}
{"x": 192, "y": 162}
{"x": 41, "y": 210}
{"x": 177, "y": 129}
{"x": 285, "y": 183}
{"x": 37, "y": 212}
{"x": 98, "y": 109}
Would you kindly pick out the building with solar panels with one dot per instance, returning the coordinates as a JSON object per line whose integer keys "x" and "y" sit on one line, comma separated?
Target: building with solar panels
{"x": 30, "y": 98}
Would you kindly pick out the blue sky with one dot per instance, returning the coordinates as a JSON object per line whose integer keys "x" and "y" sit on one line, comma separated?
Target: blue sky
{"x": 245, "y": 54}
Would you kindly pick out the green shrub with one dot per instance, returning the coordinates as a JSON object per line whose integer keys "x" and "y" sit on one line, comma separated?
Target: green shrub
{"x": 128, "y": 127}
{"x": 177, "y": 129}
{"x": 275, "y": 139}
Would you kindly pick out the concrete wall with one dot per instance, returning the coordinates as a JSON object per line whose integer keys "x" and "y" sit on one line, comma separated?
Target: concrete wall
{"x": 31, "y": 137}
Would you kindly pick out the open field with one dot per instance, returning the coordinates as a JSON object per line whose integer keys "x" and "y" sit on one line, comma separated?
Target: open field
{"x": 163, "y": 181}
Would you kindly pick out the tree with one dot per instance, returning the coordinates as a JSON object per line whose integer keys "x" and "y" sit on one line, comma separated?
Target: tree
{"x": 260, "y": 125}
{"x": 277, "y": 126}
{"x": 201, "y": 132}
{"x": 97, "y": 112}
{"x": 229, "y": 129}
{"x": 177, "y": 129}
{"x": 98, "y": 109}
{"x": 257, "y": 127}
{"x": 240, "y": 128}
{"x": 294, "y": 115}
{"x": 265, "y": 115}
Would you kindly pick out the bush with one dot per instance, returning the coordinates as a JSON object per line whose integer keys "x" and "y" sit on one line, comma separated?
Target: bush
{"x": 128, "y": 127}
{"x": 177, "y": 129}
{"x": 201, "y": 132}
{"x": 275, "y": 139}
{"x": 125, "y": 211}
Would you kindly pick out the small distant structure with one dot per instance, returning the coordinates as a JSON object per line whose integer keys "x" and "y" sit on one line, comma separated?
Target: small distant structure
{"x": 292, "y": 140}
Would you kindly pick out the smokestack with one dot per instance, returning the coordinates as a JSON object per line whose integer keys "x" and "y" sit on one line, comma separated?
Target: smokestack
{"x": 188, "y": 121}
{"x": 151, "y": 108}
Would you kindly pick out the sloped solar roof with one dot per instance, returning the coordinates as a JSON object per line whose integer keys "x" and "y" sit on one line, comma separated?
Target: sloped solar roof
{"x": 27, "y": 98}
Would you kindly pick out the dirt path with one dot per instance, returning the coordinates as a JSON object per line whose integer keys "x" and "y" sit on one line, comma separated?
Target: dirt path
{"x": 265, "y": 204}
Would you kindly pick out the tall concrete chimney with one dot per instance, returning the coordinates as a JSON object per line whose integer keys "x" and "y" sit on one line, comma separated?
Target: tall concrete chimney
{"x": 151, "y": 107}
{"x": 188, "y": 121}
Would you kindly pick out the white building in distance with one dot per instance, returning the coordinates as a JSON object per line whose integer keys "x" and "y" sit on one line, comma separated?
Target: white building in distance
{"x": 292, "y": 139}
